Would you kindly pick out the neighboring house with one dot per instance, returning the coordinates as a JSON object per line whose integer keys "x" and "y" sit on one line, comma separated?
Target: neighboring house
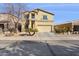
{"x": 72, "y": 26}
{"x": 7, "y": 21}
{"x": 38, "y": 19}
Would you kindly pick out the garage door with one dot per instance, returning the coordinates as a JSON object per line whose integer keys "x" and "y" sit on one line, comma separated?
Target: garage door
{"x": 44, "y": 28}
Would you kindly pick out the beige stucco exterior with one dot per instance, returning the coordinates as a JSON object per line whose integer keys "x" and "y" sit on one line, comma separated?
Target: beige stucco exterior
{"x": 40, "y": 24}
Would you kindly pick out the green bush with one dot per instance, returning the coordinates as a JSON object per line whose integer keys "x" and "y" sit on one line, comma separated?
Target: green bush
{"x": 35, "y": 30}
{"x": 31, "y": 30}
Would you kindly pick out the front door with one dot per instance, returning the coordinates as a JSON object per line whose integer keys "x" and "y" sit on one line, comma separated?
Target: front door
{"x": 1, "y": 27}
{"x": 19, "y": 27}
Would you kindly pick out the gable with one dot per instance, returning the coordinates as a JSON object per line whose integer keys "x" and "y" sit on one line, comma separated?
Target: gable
{"x": 44, "y": 11}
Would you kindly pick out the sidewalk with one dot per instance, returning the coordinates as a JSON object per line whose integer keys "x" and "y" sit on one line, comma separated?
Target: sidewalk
{"x": 40, "y": 36}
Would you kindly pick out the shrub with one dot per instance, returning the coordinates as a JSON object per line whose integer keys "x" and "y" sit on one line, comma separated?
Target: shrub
{"x": 35, "y": 30}
{"x": 31, "y": 30}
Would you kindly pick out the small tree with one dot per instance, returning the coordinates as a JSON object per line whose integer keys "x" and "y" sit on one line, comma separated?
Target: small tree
{"x": 15, "y": 9}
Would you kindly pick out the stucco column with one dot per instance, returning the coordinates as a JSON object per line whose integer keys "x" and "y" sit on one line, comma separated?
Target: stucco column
{"x": 35, "y": 24}
{"x": 29, "y": 20}
{"x": 5, "y": 26}
{"x": 23, "y": 22}
{"x": 23, "y": 26}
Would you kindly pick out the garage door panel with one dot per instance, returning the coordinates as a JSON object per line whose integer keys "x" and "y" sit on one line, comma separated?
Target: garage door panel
{"x": 44, "y": 28}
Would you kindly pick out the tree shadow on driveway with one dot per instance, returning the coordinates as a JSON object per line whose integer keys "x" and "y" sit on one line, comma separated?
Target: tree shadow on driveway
{"x": 26, "y": 48}
{"x": 58, "y": 50}
{"x": 34, "y": 48}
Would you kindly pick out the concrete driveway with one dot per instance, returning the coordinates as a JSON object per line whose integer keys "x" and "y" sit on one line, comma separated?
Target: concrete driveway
{"x": 64, "y": 47}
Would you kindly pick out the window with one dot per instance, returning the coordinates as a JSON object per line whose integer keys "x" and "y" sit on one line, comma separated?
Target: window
{"x": 27, "y": 16}
{"x": 33, "y": 16}
{"x": 45, "y": 17}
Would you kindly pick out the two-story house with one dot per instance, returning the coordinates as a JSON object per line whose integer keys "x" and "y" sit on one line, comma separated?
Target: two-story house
{"x": 39, "y": 19}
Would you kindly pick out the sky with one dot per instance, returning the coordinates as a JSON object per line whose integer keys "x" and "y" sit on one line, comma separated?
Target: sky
{"x": 63, "y": 11}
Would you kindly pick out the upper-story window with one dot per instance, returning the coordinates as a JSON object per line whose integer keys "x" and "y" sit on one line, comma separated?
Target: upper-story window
{"x": 27, "y": 16}
{"x": 45, "y": 17}
{"x": 33, "y": 16}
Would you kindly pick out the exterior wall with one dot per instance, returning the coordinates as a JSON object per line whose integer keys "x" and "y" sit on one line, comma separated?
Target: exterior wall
{"x": 44, "y": 22}
{"x": 39, "y": 17}
{"x": 75, "y": 22}
{"x": 44, "y": 25}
